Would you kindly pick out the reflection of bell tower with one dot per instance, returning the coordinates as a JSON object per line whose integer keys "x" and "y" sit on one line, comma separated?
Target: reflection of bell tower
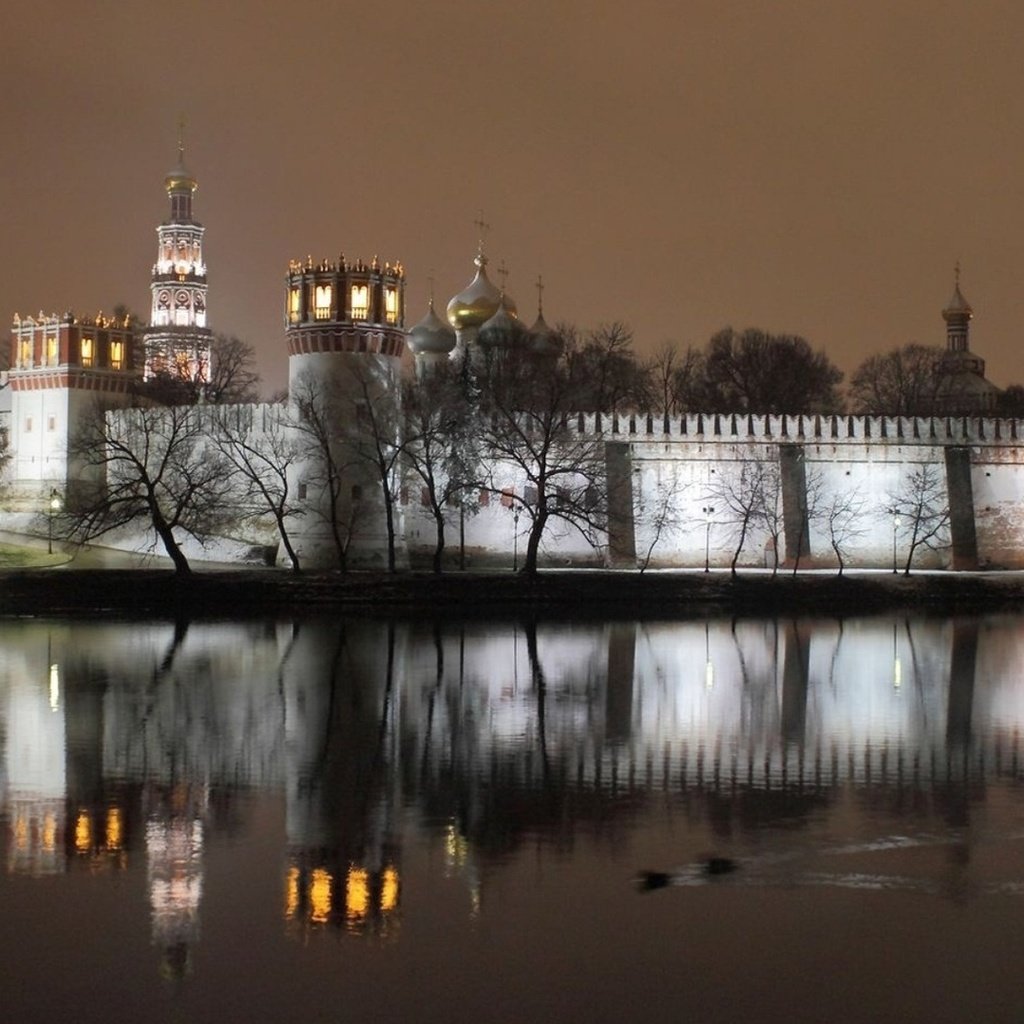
{"x": 178, "y": 340}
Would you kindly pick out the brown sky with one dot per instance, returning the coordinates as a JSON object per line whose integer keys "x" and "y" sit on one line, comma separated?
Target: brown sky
{"x": 811, "y": 166}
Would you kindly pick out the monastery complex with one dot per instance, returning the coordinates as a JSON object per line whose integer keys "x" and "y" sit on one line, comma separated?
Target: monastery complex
{"x": 674, "y": 483}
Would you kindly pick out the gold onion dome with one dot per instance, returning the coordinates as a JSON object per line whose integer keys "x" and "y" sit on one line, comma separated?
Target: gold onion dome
{"x": 179, "y": 177}
{"x": 503, "y": 329}
{"x": 477, "y": 302}
{"x": 431, "y": 335}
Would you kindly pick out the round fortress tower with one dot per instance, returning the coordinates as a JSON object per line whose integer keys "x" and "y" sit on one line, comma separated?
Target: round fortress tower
{"x": 344, "y": 323}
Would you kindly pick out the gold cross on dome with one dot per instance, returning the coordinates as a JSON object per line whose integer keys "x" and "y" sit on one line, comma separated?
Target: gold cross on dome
{"x": 540, "y": 293}
{"x": 181, "y": 135}
{"x": 503, "y": 274}
{"x": 482, "y": 227}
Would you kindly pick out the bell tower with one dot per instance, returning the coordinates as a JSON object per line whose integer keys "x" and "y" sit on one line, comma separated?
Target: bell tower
{"x": 178, "y": 338}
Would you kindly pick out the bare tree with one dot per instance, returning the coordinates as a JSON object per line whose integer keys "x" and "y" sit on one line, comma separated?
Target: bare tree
{"x": 769, "y": 511}
{"x": 150, "y": 466}
{"x": 921, "y": 510}
{"x": 844, "y": 515}
{"x": 753, "y": 371}
{"x": 441, "y": 446}
{"x": 326, "y": 463}
{"x": 907, "y": 381}
{"x": 527, "y": 428}
{"x": 606, "y": 374}
{"x": 676, "y": 379}
{"x": 230, "y": 377}
{"x": 262, "y": 460}
{"x": 739, "y": 493}
{"x": 659, "y": 513}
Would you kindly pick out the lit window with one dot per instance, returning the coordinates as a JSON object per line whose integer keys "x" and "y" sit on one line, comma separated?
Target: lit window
{"x": 87, "y": 352}
{"x": 391, "y": 305}
{"x": 322, "y": 301}
{"x": 25, "y": 358}
{"x": 360, "y": 301}
{"x": 294, "y": 304}
{"x": 116, "y": 355}
{"x": 51, "y": 350}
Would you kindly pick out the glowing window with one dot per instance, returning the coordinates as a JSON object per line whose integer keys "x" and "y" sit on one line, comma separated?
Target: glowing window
{"x": 322, "y": 301}
{"x": 360, "y": 301}
{"x": 391, "y": 305}
{"x": 294, "y": 304}
{"x": 25, "y": 358}
{"x": 116, "y": 355}
{"x": 51, "y": 350}
{"x": 87, "y": 352}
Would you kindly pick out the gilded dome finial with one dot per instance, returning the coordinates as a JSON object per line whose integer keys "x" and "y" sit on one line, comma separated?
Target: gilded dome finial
{"x": 539, "y": 284}
{"x": 181, "y": 139}
{"x": 482, "y": 227}
{"x": 430, "y": 285}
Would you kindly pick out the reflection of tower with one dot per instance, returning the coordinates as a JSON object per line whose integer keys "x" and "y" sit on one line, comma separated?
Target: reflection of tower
{"x": 35, "y": 771}
{"x": 174, "y": 849}
{"x": 178, "y": 340}
{"x": 342, "y": 697}
{"x": 345, "y": 342}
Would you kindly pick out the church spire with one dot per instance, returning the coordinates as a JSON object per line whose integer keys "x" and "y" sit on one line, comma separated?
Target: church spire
{"x": 957, "y": 315}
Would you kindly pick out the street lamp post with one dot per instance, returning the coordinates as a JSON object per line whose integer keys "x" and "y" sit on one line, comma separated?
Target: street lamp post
{"x": 54, "y": 509}
{"x": 895, "y": 527}
{"x": 515, "y": 540}
{"x": 708, "y": 511}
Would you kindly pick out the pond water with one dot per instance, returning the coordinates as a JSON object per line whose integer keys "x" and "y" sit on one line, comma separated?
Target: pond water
{"x": 349, "y": 820}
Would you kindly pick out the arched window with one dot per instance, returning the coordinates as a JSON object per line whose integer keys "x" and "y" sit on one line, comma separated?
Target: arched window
{"x": 322, "y": 294}
{"x": 360, "y": 302}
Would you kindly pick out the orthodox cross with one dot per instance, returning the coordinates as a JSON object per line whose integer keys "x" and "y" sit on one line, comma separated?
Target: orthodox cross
{"x": 540, "y": 295}
{"x": 482, "y": 228}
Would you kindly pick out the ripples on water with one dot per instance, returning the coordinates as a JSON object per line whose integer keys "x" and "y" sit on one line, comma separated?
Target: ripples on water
{"x": 396, "y": 821}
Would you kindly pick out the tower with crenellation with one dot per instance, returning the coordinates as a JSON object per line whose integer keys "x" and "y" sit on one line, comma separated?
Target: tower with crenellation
{"x": 344, "y": 322}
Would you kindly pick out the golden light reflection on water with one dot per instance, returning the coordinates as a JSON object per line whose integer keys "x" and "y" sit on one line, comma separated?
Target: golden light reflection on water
{"x": 83, "y": 832}
{"x": 321, "y": 886}
{"x": 114, "y": 831}
{"x": 357, "y": 895}
{"x": 291, "y": 892}
{"x": 389, "y": 890}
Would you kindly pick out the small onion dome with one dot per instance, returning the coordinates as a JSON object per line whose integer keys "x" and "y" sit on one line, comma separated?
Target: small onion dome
{"x": 179, "y": 178}
{"x": 958, "y": 307}
{"x": 543, "y": 341}
{"x": 430, "y": 336}
{"x": 504, "y": 330}
{"x": 479, "y": 301}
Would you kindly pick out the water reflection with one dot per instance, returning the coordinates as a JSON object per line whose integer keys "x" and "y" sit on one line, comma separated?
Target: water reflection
{"x": 127, "y": 745}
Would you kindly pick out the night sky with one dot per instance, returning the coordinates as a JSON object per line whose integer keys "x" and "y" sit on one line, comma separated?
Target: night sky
{"x": 800, "y": 166}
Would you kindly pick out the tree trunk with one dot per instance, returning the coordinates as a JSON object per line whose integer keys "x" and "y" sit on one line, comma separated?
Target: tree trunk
{"x": 439, "y": 546}
{"x": 286, "y": 541}
{"x": 533, "y": 545}
{"x": 166, "y": 535}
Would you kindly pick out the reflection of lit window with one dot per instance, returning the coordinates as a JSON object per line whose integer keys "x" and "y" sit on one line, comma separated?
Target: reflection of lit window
{"x": 291, "y": 892}
{"x": 49, "y": 832}
{"x": 357, "y": 894}
{"x": 54, "y": 669}
{"x": 322, "y": 302}
{"x": 114, "y": 829}
{"x": 360, "y": 301}
{"x": 294, "y": 304}
{"x": 83, "y": 832}
{"x": 87, "y": 352}
{"x": 116, "y": 354}
{"x": 389, "y": 890}
{"x": 391, "y": 305}
{"x": 320, "y": 896}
